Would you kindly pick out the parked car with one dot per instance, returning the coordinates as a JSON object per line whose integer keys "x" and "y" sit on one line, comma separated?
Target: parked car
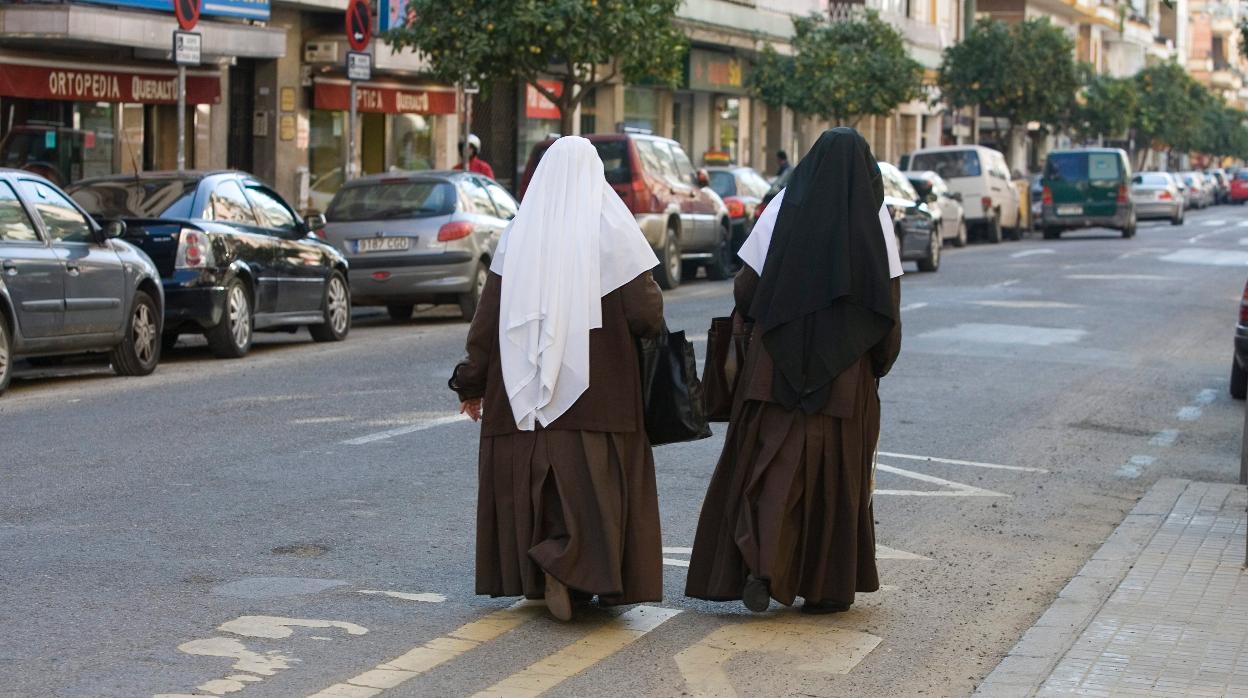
{"x": 683, "y": 219}
{"x": 742, "y": 189}
{"x": 1221, "y": 184}
{"x": 1087, "y": 188}
{"x": 936, "y": 194}
{"x": 777, "y": 183}
{"x": 1239, "y": 362}
{"x": 419, "y": 237}
{"x": 918, "y": 237}
{"x": 1035, "y": 198}
{"x": 68, "y": 285}
{"x": 1239, "y": 186}
{"x": 234, "y": 257}
{"x": 1201, "y": 191}
{"x": 980, "y": 175}
{"x": 1157, "y": 195}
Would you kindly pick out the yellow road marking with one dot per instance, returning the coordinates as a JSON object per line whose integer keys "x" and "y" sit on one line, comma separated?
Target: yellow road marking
{"x": 421, "y": 659}
{"x": 810, "y": 643}
{"x": 540, "y": 677}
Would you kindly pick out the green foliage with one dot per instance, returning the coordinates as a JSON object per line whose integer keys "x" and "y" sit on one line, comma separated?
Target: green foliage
{"x": 581, "y": 43}
{"x": 1108, "y": 107}
{"x": 1169, "y": 104}
{"x": 841, "y": 70}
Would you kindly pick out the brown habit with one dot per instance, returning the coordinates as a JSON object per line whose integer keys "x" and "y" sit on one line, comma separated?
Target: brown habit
{"x": 577, "y": 498}
{"x": 790, "y": 500}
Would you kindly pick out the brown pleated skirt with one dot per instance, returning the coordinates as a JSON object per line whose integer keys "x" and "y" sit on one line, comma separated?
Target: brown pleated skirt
{"x": 790, "y": 502}
{"x": 580, "y": 505}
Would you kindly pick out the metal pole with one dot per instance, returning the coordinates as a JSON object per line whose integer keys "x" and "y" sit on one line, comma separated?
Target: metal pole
{"x": 181, "y": 118}
{"x": 350, "y": 166}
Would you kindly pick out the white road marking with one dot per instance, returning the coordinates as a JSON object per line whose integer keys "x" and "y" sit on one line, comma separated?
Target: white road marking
{"x": 1006, "y": 284}
{"x": 1008, "y": 334}
{"x": 425, "y": 598}
{"x": 1242, "y": 224}
{"x": 1119, "y": 277}
{"x": 883, "y": 552}
{"x": 1165, "y": 437}
{"x": 1026, "y": 304}
{"x": 266, "y": 664}
{"x": 956, "y": 489}
{"x": 954, "y": 461}
{"x": 615, "y": 635}
{"x": 1216, "y": 221}
{"x": 678, "y": 551}
{"x": 673, "y": 562}
{"x": 1189, "y": 413}
{"x": 1206, "y": 397}
{"x": 1143, "y": 251}
{"x": 1208, "y": 257}
{"x": 913, "y": 306}
{"x": 409, "y": 429}
{"x": 277, "y": 627}
{"x": 1029, "y": 253}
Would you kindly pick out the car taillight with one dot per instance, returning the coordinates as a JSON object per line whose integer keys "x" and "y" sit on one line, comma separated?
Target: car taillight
{"x": 986, "y": 202}
{"x": 736, "y": 207}
{"x": 1165, "y": 195}
{"x": 1243, "y": 307}
{"x": 194, "y": 250}
{"x": 1046, "y": 196}
{"x": 758, "y": 210}
{"x": 1123, "y": 193}
{"x": 456, "y": 230}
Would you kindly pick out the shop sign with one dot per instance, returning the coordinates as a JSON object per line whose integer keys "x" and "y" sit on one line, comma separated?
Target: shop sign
{"x": 711, "y": 71}
{"x": 72, "y": 84}
{"x": 536, "y": 105}
{"x": 383, "y": 98}
{"x": 243, "y": 9}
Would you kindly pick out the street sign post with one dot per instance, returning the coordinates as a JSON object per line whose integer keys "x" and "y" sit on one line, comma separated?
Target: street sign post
{"x": 186, "y": 51}
{"x": 359, "y": 26}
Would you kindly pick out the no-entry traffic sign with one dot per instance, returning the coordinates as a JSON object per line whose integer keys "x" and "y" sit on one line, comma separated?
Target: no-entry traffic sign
{"x": 359, "y": 24}
{"x": 187, "y": 12}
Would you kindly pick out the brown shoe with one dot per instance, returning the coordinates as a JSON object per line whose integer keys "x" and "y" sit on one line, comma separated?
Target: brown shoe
{"x": 558, "y": 602}
{"x": 823, "y": 607}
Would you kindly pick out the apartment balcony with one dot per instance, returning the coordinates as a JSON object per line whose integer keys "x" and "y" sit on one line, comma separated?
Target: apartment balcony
{"x": 1223, "y": 78}
{"x": 925, "y": 41}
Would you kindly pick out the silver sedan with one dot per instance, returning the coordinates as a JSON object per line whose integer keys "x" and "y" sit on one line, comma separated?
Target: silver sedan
{"x": 1158, "y": 195}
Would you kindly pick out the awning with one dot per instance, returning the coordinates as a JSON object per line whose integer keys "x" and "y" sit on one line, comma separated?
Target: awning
{"x": 384, "y": 97}
{"x": 74, "y": 82}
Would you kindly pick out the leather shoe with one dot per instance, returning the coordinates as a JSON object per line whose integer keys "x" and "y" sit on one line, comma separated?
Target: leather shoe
{"x": 558, "y": 601}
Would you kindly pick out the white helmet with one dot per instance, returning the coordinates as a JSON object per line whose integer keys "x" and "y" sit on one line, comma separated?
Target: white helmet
{"x": 474, "y": 141}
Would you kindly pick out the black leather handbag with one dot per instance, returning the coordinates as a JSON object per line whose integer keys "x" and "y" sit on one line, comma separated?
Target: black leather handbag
{"x": 670, "y": 390}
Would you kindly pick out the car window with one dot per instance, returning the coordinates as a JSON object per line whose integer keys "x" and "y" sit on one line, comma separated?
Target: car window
{"x": 137, "y": 198}
{"x": 1153, "y": 179}
{"x": 275, "y": 213}
{"x": 658, "y": 160}
{"x": 684, "y": 168}
{"x": 506, "y": 205}
{"x": 1066, "y": 166}
{"x": 228, "y": 204}
{"x": 392, "y": 198}
{"x": 1104, "y": 166}
{"x": 63, "y": 222}
{"x": 479, "y": 197}
{"x": 616, "y": 164}
{"x": 15, "y": 224}
{"x": 723, "y": 182}
{"x": 754, "y": 183}
{"x": 948, "y": 164}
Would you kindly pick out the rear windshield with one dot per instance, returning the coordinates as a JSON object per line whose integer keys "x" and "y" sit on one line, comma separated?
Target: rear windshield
{"x": 723, "y": 183}
{"x": 1083, "y": 166}
{"x": 948, "y": 164}
{"x": 375, "y": 201}
{"x": 615, "y": 162}
{"x": 140, "y": 198}
{"x": 1154, "y": 179}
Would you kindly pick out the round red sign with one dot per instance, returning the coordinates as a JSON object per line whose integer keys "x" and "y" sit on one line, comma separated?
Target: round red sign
{"x": 359, "y": 24}
{"x": 187, "y": 12}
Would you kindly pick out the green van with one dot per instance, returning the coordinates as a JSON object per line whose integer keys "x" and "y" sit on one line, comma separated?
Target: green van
{"x": 1087, "y": 188}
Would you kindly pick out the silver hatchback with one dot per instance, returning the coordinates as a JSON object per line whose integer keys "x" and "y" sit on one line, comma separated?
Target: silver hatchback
{"x": 1158, "y": 195}
{"x": 419, "y": 237}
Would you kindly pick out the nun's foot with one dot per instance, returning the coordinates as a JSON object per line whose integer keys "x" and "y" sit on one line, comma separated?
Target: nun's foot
{"x": 824, "y": 607}
{"x": 756, "y": 595}
{"x": 558, "y": 602}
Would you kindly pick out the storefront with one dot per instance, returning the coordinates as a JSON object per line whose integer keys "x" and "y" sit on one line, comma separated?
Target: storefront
{"x": 715, "y": 96}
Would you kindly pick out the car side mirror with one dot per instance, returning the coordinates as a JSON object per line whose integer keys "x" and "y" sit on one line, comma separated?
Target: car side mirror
{"x": 930, "y": 198}
{"x": 702, "y": 178}
{"x": 114, "y": 229}
{"x": 956, "y": 196}
{"x": 315, "y": 222}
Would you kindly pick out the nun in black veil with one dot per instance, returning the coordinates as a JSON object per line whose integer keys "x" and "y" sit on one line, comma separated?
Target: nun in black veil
{"x": 788, "y": 511}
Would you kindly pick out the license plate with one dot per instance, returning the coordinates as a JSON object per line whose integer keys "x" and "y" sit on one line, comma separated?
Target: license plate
{"x": 395, "y": 244}
{"x": 1069, "y": 210}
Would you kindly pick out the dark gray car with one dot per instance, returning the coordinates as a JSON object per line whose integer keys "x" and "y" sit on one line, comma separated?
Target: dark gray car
{"x": 69, "y": 286}
{"x": 418, "y": 237}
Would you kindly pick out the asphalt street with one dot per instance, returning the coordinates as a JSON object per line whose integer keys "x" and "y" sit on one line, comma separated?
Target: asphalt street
{"x": 300, "y": 522}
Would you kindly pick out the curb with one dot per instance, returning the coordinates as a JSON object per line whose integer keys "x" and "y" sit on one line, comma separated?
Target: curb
{"x": 1029, "y": 663}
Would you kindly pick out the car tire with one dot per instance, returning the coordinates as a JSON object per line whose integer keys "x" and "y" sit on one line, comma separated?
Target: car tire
{"x": 468, "y": 301}
{"x": 139, "y": 351}
{"x": 992, "y": 231}
{"x": 400, "y": 312}
{"x": 1239, "y": 381}
{"x": 231, "y": 337}
{"x": 336, "y": 309}
{"x": 1129, "y": 231}
{"x": 668, "y": 273}
{"x": 960, "y": 240}
{"x": 932, "y": 261}
{"x": 6, "y": 354}
{"x": 721, "y": 267}
{"x": 1178, "y": 219}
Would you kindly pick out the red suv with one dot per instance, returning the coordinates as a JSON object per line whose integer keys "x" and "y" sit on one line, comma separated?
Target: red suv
{"x": 1238, "y": 193}
{"x": 684, "y": 220}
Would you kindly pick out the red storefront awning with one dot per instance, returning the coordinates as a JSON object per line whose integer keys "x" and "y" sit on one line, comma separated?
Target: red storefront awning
{"x": 383, "y": 97}
{"x": 80, "y": 84}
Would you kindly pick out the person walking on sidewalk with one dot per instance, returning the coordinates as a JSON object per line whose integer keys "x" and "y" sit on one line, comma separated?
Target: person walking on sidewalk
{"x": 567, "y": 502}
{"x": 782, "y": 160}
{"x": 788, "y": 511}
{"x": 475, "y": 163}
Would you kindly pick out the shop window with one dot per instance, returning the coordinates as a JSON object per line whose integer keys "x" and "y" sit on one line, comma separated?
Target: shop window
{"x": 327, "y": 131}
{"x": 228, "y": 204}
{"x": 63, "y": 222}
{"x": 641, "y": 108}
{"x": 274, "y": 212}
{"x": 61, "y": 141}
{"x": 15, "y": 224}
{"x": 411, "y": 142}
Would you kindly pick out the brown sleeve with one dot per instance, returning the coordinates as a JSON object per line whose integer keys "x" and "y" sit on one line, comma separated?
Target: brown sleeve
{"x": 469, "y": 377}
{"x": 643, "y": 305}
{"x": 885, "y": 352}
{"x": 743, "y": 290}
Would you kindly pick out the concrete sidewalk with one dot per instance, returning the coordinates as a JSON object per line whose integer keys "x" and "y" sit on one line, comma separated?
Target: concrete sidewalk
{"x": 1160, "y": 610}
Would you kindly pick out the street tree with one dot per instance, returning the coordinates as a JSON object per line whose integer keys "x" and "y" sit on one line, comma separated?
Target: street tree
{"x": 581, "y": 44}
{"x": 1169, "y": 110}
{"x": 1107, "y": 107}
{"x": 842, "y": 69}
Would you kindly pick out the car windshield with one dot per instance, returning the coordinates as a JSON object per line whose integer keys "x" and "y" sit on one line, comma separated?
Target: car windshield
{"x": 948, "y": 164}
{"x": 1154, "y": 179}
{"x": 723, "y": 182}
{"x": 137, "y": 198}
{"x": 387, "y": 199}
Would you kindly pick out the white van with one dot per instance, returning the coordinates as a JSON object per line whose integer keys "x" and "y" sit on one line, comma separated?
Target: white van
{"x": 981, "y": 176}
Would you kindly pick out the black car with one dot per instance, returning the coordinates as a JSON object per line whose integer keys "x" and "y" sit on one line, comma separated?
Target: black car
{"x": 918, "y": 238}
{"x": 233, "y": 257}
{"x": 1239, "y": 362}
{"x": 68, "y": 286}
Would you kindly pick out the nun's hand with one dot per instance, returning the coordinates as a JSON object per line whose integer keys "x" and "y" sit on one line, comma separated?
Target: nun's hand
{"x": 472, "y": 408}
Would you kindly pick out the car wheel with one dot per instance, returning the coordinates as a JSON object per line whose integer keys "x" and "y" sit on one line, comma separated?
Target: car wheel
{"x": 1129, "y": 231}
{"x": 960, "y": 240}
{"x": 668, "y": 273}
{"x": 1178, "y": 218}
{"x": 400, "y": 312}
{"x": 6, "y": 354}
{"x": 720, "y": 266}
{"x": 992, "y": 230}
{"x": 139, "y": 351}
{"x": 468, "y": 301}
{"x": 337, "y": 309}
{"x": 231, "y": 337}
{"x": 932, "y": 261}
{"x": 1239, "y": 381}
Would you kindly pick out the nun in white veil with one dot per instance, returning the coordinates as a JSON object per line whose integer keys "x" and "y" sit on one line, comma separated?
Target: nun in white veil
{"x": 567, "y": 505}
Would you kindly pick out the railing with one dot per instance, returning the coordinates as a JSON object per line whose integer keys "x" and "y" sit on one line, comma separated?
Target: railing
{"x": 914, "y": 31}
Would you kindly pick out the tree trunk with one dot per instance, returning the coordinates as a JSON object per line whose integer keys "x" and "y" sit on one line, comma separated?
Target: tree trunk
{"x": 567, "y": 113}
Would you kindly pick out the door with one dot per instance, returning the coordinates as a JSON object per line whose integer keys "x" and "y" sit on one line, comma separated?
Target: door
{"x": 702, "y": 204}
{"x": 95, "y": 284}
{"x": 301, "y": 265}
{"x": 29, "y": 270}
{"x": 246, "y": 241}
{"x": 242, "y": 112}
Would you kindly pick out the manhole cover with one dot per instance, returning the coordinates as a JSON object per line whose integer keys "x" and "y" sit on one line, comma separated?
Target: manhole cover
{"x": 302, "y": 549}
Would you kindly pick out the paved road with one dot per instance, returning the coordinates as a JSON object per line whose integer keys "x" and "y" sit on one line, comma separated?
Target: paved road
{"x": 243, "y": 526}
